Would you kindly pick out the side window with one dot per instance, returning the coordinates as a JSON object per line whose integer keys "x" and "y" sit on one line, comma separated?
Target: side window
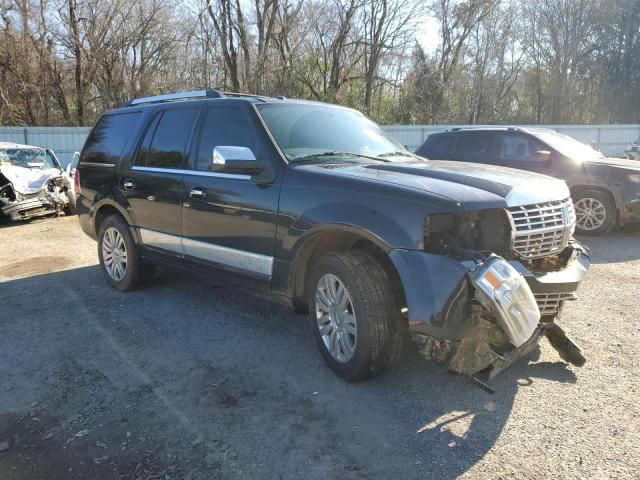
{"x": 166, "y": 139}
{"x": 474, "y": 147}
{"x": 228, "y": 126}
{"x": 517, "y": 148}
{"x": 440, "y": 147}
{"x": 109, "y": 137}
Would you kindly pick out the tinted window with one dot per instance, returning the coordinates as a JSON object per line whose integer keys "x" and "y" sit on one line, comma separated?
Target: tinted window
{"x": 109, "y": 137}
{"x": 228, "y": 126}
{"x": 474, "y": 147}
{"x": 518, "y": 148}
{"x": 166, "y": 139}
{"x": 438, "y": 146}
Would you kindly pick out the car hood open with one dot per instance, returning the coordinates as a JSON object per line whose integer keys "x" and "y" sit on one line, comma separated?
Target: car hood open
{"x": 28, "y": 180}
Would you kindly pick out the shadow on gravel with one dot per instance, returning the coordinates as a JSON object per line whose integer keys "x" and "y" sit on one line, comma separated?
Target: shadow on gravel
{"x": 621, "y": 245}
{"x": 188, "y": 380}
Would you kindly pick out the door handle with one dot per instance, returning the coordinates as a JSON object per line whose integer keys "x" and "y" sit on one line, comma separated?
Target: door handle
{"x": 197, "y": 192}
{"x": 128, "y": 184}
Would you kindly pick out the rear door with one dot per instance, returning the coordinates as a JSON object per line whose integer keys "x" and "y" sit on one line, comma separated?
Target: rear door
{"x": 153, "y": 186}
{"x": 474, "y": 147}
{"x": 229, "y": 219}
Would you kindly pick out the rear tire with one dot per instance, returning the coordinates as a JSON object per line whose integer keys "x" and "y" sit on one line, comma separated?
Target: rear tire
{"x": 595, "y": 211}
{"x": 119, "y": 258}
{"x": 360, "y": 332}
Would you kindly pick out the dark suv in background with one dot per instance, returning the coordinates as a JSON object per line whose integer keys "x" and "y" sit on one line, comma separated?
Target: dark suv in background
{"x": 605, "y": 191}
{"x": 315, "y": 204}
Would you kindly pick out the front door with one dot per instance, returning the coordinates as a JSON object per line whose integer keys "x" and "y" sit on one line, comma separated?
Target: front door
{"x": 517, "y": 150}
{"x": 153, "y": 186}
{"x": 229, "y": 219}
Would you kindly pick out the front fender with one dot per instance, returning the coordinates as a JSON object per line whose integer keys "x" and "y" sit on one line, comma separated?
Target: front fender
{"x": 436, "y": 290}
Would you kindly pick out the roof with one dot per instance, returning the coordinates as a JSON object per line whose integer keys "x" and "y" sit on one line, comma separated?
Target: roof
{"x": 8, "y": 145}
{"x": 500, "y": 128}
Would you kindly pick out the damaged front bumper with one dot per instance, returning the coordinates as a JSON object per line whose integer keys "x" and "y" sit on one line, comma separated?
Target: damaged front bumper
{"x": 467, "y": 329}
{"x": 52, "y": 198}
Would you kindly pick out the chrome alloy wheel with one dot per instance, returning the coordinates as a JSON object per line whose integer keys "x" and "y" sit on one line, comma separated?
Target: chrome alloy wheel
{"x": 336, "y": 318}
{"x": 114, "y": 254}
{"x": 590, "y": 213}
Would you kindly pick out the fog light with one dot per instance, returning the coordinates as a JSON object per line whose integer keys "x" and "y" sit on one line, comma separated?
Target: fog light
{"x": 502, "y": 290}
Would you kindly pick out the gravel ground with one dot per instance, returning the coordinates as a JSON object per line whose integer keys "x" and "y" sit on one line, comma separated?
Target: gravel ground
{"x": 189, "y": 379}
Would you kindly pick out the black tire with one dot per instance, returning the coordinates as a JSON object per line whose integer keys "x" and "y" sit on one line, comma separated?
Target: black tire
{"x": 379, "y": 323}
{"x": 610, "y": 211}
{"x": 135, "y": 271}
{"x": 71, "y": 209}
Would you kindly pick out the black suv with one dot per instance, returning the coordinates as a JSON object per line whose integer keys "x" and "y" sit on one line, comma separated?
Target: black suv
{"x": 606, "y": 191}
{"x": 317, "y": 205}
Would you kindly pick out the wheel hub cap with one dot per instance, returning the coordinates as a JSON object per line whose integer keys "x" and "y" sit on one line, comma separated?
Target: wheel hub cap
{"x": 114, "y": 254}
{"x": 336, "y": 318}
{"x": 590, "y": 213}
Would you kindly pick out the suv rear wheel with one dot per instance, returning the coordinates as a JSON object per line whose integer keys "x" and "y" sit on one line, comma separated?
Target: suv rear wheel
{"x": 595, "y": 212}
{"x": 119, "y": 257}
{"x": 353, "y": 314}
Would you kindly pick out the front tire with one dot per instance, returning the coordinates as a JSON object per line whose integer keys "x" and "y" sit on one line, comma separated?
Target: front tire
{"x": 353, "y": 313}
{"x": 595, "y": 212}
{"x": 119, "y": 258}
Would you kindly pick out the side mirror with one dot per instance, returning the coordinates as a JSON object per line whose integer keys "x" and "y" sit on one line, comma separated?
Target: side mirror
{"x": 234, "y": 159}
{"x": 542, "y": 156}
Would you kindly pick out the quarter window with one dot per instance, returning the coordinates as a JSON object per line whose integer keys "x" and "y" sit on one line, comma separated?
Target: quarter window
{"x": 166, "y": 139}
{"x": 109, "y": 137}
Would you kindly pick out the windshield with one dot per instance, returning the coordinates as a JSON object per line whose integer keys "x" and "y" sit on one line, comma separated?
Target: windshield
{"x": 569, "y": 147}
{"x": 309, "y": 131}
{"x": 27, "y": 158}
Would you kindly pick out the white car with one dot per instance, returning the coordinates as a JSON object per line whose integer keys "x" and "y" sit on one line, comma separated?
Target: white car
{"x": 33, "y": 182}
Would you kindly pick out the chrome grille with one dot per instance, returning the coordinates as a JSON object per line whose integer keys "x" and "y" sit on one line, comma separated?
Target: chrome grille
{"x": 542, "y": 229}
{"x": 549, "y": 303}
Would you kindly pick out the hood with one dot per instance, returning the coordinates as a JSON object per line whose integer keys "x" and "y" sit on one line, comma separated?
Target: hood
{"x": 615, "y": 162}
{"x": 468, "y": 184}
{"x": 28, "y": 180}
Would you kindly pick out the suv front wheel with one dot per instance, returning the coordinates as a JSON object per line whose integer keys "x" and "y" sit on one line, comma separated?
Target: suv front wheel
{"x": 353, "y": 313}
{"x": 119, "y": 257}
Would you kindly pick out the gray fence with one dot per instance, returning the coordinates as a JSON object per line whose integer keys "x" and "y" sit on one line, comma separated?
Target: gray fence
{"x": 610, "y": 139}
{"x": 62, "y": 140}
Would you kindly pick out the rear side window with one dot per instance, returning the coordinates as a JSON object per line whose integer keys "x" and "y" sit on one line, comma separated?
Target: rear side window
{"x": 438, "y": 147}
{"x": 166, "y": 139}
{"x": 109, "y": 137}
{"x": 474, "y": 147}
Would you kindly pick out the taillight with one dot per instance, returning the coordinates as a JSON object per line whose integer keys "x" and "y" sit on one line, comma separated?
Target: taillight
{"x": 76, "y": 181}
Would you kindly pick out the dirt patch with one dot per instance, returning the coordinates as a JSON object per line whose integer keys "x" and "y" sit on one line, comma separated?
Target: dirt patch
{"x": 34, "y": 266}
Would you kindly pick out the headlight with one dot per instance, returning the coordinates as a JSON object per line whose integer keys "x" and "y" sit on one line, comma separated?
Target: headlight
{"x": 502, "y": 290}
{"x": 634, "y": 177}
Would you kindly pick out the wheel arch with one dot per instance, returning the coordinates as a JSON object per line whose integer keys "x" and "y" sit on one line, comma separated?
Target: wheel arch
{"x": 579, "y": 188}
{"x": 338, "y": 238}
{"x": 107, "y": 208}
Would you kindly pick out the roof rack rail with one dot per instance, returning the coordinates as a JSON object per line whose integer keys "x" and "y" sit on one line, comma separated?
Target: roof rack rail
{"x": 176, "y": 96}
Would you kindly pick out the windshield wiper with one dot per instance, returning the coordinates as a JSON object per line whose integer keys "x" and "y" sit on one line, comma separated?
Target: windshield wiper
{"x": 397, "y": 153}
{"x": 335, "y": 153}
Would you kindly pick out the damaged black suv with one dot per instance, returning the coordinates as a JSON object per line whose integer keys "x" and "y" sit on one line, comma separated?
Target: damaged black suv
{"x": 317, "y": 205}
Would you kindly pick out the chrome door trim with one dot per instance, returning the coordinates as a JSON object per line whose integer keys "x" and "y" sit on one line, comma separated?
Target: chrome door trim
{"x": 252, "y": 262}
{"x": 97, "y": 164}
{"x": 165, "y": 241}
{"x": 230, "y": 257}
{"x": 196, "y": 173}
